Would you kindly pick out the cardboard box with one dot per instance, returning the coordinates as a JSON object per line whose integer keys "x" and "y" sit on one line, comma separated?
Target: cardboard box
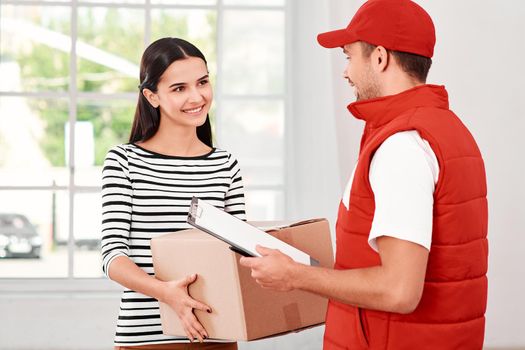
{"x": 242, "y": 310}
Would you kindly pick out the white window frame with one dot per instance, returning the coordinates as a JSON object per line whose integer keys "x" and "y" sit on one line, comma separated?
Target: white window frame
{"x": 71, "y": 284}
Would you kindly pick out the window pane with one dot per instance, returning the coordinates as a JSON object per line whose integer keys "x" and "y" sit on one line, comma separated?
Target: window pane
{"x": 87, "y": 231}
{"x": 66, "y": 1}
{"x": 32, "y": 224}
{"x": 253, "y": 131}
{"x": 110, "y": 43}
{"x": 100, "y": 126}
{"x": 264, "y": 205}
{"x": 254, "y": 2}
{"x": 32, "y": 147}
{"x": 195, "y": 26}
{"x": 118, "y": 1}
{"x": 253, "y": 54}
{"x": 34, "y": 48}
{"x": 185, "y": 2}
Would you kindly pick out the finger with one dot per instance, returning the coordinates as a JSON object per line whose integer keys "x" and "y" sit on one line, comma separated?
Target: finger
{"x": 263, "y": 250}
{"x": 265, "y": 284}
{"x": 261, "y": 282}
{"x": 195, "y": 304}
{"x": 248, "y": 262}
{"x": 198, "y": 336}
{"x": 194, "y": 329}
{"x": 200, "y": 329}
{"x": 190, "y": 330}
{"x": 261, "y": 275}
{"x": 188, "y": 334}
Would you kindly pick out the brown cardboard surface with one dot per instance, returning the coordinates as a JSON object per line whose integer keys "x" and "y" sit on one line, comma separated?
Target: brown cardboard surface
{"x": 183, "y": 253}
{"x": 241, "y": 309}
{"x": 292, "y": 310}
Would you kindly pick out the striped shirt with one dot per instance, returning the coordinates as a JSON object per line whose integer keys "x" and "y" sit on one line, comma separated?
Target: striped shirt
{"x": 146, "y": 194}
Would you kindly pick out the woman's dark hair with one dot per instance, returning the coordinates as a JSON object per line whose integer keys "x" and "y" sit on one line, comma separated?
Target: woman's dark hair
{"x": 155, "y": 60}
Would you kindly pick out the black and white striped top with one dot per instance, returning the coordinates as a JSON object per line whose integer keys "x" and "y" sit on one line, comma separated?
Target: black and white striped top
{"x": 146, "y": 194}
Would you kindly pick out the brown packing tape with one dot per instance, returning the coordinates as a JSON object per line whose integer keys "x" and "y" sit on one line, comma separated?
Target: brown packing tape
{"x": 292, "y": 316}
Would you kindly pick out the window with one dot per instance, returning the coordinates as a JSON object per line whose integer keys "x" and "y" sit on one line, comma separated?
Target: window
{"x": 68, "y": 91}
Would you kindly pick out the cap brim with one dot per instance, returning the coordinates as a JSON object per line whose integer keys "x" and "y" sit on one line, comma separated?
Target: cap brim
{"x": 336, "y": 38}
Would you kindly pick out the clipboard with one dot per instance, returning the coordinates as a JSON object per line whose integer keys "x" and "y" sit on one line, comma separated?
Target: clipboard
{"x": 241, "y": 236}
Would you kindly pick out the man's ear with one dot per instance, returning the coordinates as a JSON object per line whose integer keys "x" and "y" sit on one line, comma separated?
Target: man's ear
{"x": 380, "y": 59}
{"x": 152, "y": 97}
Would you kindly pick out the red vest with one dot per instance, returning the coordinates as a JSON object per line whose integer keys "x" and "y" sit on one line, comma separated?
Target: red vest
{"x": 451, "y": 312}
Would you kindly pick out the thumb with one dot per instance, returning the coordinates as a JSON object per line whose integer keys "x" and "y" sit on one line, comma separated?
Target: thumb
{"x": 188, "y": 280}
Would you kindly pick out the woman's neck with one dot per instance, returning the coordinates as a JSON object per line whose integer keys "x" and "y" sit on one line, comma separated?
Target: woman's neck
{"x": 176, "y": 140}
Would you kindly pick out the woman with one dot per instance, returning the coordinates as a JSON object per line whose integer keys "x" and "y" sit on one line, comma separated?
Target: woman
{"x": 147, "y": 188}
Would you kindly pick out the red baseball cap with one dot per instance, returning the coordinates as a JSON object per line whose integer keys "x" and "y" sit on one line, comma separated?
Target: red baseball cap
{"x": 399, "y": 25}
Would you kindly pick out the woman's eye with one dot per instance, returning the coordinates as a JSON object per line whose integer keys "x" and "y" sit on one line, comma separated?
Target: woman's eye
{"x": 178, "y": 89}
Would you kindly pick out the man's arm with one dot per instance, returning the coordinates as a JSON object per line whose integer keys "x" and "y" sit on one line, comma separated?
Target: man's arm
{"x": 395, "y": 286}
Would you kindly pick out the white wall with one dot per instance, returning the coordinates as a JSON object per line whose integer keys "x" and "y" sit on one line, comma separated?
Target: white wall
{"x": 53, "y": 321}
{"x": 478, "y": 57}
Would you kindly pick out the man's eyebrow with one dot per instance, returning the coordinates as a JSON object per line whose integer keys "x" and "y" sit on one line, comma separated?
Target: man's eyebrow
{"x": 180, "y": 84}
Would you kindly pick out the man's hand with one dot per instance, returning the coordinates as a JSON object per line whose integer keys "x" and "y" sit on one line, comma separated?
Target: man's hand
{"x": 274, "y": 270}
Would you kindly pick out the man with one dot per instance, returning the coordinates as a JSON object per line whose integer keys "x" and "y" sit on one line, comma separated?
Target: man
{"x": 411, "y": 257}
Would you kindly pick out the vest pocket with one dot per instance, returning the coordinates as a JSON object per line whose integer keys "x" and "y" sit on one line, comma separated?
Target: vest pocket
{"x": 362, "y": 326}
{"x": 342, "y": 331}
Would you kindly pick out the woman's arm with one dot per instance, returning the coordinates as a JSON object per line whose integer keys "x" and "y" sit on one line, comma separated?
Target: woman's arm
{"x": 174, "y": 293}
{"x": 116, "y": 227}
{"x": 234, "y": 198}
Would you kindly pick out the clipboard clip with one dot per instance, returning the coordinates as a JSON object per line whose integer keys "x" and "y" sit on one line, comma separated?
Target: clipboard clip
{"x": 195, "y": 211}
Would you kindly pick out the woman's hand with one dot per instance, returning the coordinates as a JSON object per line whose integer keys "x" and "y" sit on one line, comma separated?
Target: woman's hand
{"x": 177, "y": 297}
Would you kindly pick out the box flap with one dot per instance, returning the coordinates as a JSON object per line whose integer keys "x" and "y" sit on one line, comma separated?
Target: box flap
{"x": 278, "y": 225}
{"x": 305, "y": 222}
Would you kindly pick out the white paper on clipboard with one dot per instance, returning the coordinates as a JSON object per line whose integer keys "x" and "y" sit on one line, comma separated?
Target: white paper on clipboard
{"x": 241, "y": 236}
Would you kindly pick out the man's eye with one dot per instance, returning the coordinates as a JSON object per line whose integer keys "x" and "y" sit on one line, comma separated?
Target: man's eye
{"x": 203, "y": 82}
{"x": 178, "y": 89}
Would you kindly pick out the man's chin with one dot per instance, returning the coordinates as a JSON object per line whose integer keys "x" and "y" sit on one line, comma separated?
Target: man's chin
{"x": 360, "y": 97}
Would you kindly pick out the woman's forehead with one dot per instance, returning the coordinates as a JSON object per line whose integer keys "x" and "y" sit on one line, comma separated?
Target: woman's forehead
{"x": 185, "y": 71}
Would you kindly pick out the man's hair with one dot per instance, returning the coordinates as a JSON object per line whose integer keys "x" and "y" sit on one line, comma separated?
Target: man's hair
{"x": 414, "y": 65}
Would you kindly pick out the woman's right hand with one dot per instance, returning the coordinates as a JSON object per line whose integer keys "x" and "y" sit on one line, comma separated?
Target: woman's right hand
{"x": 177, "y": 297}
